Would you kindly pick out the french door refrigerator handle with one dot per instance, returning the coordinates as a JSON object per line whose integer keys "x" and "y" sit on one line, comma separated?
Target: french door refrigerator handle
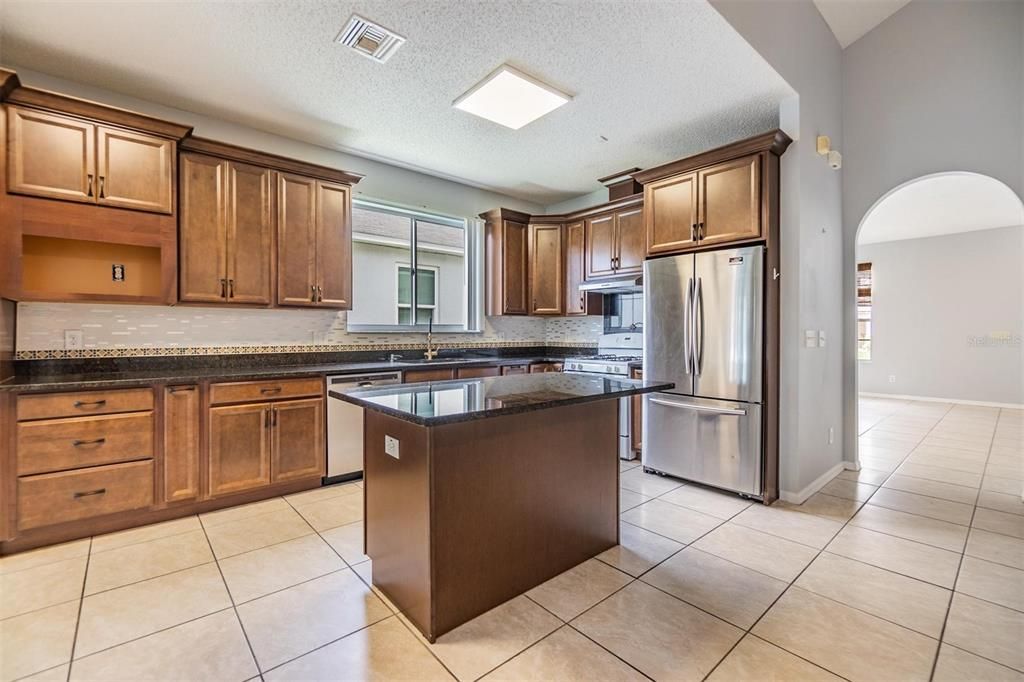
{"x": 687, "y": 324}
{"x": 700, "y": 408}
{"x": 698, "y": 337}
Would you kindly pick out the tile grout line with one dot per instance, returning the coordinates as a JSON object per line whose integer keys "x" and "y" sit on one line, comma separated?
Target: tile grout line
{"x": 78, "y": 618}
{"x": 959, "y": 566}
{"x": 231, "y": 598}
{"x": 352, "y": 567}
{"x": 791, "y": 584}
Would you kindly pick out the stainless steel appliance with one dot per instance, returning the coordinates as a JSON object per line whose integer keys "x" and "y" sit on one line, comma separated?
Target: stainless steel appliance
{"x": 703, "y": 330}
{"x": 615, "y": 352}
{"x": 345, "y": 425}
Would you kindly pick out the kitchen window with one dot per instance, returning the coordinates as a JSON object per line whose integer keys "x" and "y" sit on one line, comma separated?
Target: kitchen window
{"x": 864, "y": 322}
{"x": 411, "y": 268}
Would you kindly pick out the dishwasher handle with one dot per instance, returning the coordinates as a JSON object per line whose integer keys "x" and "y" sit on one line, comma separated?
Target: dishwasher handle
{"x": 365, "y": 380}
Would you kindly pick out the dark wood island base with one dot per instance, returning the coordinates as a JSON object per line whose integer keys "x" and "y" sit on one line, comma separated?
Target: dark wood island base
{"x": 474, "y": 513}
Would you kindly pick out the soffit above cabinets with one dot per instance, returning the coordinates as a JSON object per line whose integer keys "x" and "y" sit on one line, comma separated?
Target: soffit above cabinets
{"x": 650, "y": 82}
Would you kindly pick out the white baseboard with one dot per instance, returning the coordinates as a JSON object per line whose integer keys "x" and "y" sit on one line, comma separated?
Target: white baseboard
{"x": 929, "y": 399}
{"x": 815, "y": 485}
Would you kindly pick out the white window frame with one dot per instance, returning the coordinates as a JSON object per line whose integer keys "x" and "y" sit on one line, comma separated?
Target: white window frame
{"x": 436, "y": 307}
{"x": 473, "y": 272}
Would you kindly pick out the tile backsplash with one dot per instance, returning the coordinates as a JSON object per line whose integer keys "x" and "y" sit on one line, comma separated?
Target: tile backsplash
{"x": 159, "y": 330}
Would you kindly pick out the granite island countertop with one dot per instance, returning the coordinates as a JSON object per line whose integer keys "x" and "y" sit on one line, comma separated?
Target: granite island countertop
{"x": 446, "y": 402}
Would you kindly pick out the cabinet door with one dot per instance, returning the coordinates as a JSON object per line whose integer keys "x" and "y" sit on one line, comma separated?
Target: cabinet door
{"x": 629, "y": 237}
{"x": 414, "y": 376}
{"x": 600, "y": 240}
{"x": 575, "y": 300}
{"x": 476, "y": 372}
{"x": 334, "y": 246}
{"x": 134, "y": 170}
{"x": 181, "y": 443}
{"x": 249, "y": 234}
{"x": 239, "y": 448}
{"x": 730, "y": 201}
{"x": 670, "y": 218}
{"x": 545, "y": 367}
{"x": 547, "y": 278}
{"x": 298, "y": 440}
{"x": 202, "y": 230}
{"x": 296, "y": 240}
{"x": 514, "y": 267}
{"x": 50, "y": 155}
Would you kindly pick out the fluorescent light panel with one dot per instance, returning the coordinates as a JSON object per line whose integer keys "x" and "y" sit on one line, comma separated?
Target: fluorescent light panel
{"x": 510, "y": 98}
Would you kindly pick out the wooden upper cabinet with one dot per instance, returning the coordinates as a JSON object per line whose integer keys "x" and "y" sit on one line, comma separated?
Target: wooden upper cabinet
{"x": 181, "y": 443}
{"x": 49, "y": 155}
{"x": 730, "y": 201}
{"x": 515, "y": 262}
{"x": 671, "y": 214}
{"x": 134, "y": 170}
{"x": 333, "y": 246}
{"x": 239, "y": 448}
{"x": 547, "y": 278}
{"x": 63, "y": 157}
{"x": 296, "y": 240}
{"x": 575, "y": 255}
{"x": 600, "y": 240}
{"x": 298, "y": 440}
{"x": 629, "y": 241}
{"x": 249, "y": 234}
{"x": 202, "y": 230}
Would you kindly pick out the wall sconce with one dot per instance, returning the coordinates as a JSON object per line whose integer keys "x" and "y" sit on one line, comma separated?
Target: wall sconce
{"x": 835, "y": 159}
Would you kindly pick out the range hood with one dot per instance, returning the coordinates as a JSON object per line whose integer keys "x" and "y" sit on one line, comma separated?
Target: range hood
{"x": 622, "y": 285}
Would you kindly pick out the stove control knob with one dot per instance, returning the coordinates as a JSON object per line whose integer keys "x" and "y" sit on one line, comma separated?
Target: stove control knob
{"x": 609, "y": 369}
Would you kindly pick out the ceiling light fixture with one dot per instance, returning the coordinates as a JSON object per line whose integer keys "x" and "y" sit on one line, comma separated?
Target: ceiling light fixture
{"x": 510, "y": 98}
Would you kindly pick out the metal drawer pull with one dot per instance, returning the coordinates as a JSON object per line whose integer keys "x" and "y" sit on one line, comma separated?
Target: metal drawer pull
{"x": 89, "y": 493}
{"x": 103, "y": 192}
{"x": 268, "y": 391}
{"x": 88, "y": 192}
{"x": 92, "y": 403}
{"x": 700, "y": 408}
{"x": 96, "y": 441}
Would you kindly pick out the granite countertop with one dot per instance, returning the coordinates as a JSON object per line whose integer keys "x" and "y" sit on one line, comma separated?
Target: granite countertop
{"x": 446, "y": 402}
{"x": 142, "y": 377}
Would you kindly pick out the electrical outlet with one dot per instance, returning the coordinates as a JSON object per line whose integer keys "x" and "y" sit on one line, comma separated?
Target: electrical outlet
{"x": 892, "y": 378}
{"x": 391, "y": 446}
{"x": 811, "y": 338}
{"x": 72, "y": 339}
{"x": 831, "y": 435}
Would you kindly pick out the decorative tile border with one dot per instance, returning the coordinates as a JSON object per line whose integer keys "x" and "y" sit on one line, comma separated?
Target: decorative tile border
{"x": 255, "y": 350}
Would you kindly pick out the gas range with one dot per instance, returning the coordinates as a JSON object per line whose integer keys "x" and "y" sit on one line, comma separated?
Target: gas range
{"x": 614, "y": 354}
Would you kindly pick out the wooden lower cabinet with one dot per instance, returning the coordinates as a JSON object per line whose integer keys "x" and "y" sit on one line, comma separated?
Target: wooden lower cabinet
{"x": 544, "y": 367}
{"x": 49, "y": 499}
{"x": 514, "y": 369}
{"x": 636, "y": 415}
{"x": 180, "y": 471}
{"x": 239, "y": 448}
{"x": 297, "y": 446}
{"x": 413, "y": 376}
{"x": 475, "y": 372}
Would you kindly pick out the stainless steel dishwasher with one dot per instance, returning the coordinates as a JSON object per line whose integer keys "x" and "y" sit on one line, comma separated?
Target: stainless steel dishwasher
{"x": 345, "y": 425}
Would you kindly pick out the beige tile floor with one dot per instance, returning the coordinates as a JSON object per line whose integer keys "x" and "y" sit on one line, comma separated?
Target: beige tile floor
{"x": 910, "y": 569}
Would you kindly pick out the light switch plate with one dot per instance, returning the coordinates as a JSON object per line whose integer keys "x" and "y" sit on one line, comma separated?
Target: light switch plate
{"x": 821, "y": 338}
{"x": 391, "y": 446}
{"x": 72, "y": 339}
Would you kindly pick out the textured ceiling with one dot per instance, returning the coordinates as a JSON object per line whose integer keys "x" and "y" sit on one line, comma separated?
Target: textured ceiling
{"x": 658, "y": 79}
{"x": 945, "y": 203}
{"x": 851, "y": 19}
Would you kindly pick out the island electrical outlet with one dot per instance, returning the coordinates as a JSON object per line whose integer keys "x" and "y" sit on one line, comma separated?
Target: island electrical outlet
{"x": 391, "y": 446}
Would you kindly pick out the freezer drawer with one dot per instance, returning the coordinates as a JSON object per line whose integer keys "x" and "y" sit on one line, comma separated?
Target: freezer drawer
{"x": 714, "y": 442}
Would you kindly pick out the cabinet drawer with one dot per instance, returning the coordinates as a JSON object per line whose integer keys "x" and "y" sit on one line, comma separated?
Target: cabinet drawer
{"x": 48, "y": 499}
{"x": 271, "y": 389}
{"x": 84, "y": 403}
{"x": 58, "y": 444}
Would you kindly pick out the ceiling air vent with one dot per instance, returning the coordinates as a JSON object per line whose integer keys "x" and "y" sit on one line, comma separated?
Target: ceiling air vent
{"x": 370, "y": 39}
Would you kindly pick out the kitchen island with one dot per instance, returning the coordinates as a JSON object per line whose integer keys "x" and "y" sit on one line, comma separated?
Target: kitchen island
{"x": 477, "y": 490}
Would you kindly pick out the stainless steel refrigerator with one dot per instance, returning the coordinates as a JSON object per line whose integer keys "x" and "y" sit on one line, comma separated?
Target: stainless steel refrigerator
{"x": 703, "y": 330}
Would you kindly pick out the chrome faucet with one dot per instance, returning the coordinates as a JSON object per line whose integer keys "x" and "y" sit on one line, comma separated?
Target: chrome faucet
{"x": 431, "y": 352}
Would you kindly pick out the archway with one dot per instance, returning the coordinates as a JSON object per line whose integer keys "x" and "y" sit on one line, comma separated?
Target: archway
{"x": 973, "y": 225}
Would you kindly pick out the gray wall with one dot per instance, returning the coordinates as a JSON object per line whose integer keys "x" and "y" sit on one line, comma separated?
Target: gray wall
{"x": 793, "y": 37}
{"x": 948, "y": 314}
{"x": 938, "y": 86}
